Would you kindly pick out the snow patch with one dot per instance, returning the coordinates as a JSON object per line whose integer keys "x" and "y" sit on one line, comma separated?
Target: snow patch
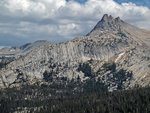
{"x": 119, "y": 56}
{"x": 12, "y": 50}
{"x": 85, "y": 58}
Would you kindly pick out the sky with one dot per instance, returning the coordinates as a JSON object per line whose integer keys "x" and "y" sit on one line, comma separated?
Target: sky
{"x": 24, "y": 21}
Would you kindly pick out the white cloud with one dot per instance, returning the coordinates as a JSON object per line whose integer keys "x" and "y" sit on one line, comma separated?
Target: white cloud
{"x": 58, "y": 20}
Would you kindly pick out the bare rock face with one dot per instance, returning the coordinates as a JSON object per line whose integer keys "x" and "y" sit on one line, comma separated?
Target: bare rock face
{"x": 111, "y": 40}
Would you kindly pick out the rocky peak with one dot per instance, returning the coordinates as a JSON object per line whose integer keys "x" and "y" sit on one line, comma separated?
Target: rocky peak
{"x": 108, "y": 23}
{"x": 118, "y": 19}
{"x": 106, "y": 18}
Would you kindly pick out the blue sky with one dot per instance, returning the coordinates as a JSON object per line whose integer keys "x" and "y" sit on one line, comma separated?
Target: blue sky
{"x": 80, "y": 1}
{"x": 137, "y": 2}
{"x": 24, "y": 21}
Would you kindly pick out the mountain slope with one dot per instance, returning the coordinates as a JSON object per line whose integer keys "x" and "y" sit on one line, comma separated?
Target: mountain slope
{"x": 111, "y": 41}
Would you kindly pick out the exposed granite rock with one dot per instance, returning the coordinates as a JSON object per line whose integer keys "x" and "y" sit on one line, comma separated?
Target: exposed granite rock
{"x": 106, "y": 42}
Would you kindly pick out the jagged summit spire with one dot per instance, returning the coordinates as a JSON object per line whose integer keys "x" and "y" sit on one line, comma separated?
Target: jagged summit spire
{"x": 107, "y": 18}
{"x": 108, "y": 23}
{"x": 118, "y": 19}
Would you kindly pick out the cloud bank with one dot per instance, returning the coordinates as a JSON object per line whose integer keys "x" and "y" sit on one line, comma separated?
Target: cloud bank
{"x": 24, "y": 21}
